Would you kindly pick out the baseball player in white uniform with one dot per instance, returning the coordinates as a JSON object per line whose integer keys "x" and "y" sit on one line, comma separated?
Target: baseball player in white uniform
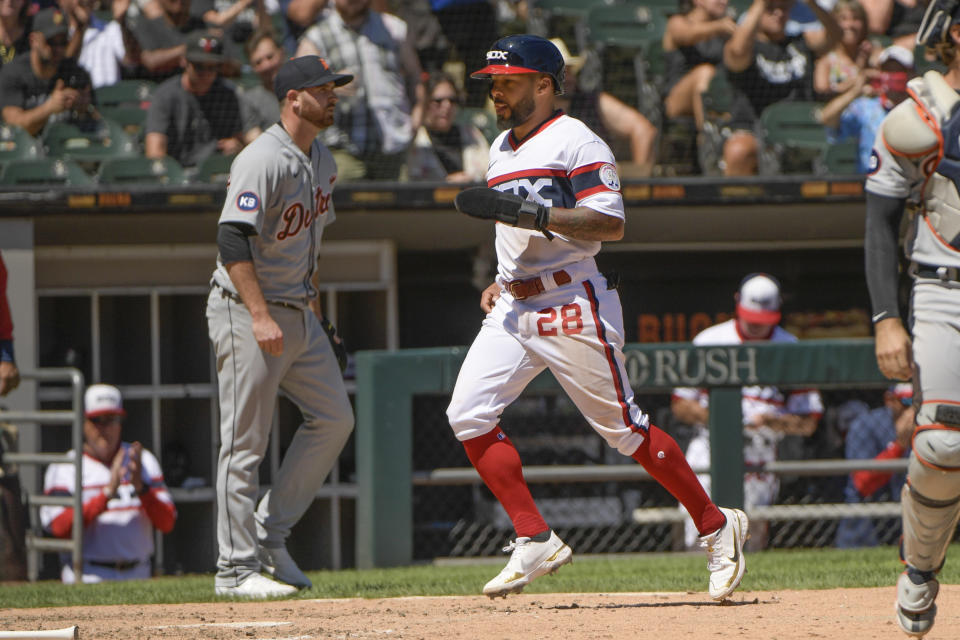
{"x": 269, "y": 334}
{"x": 124, "y": 497}
{"x": 768, "y": 413}
{"x": 554, "y": 189}
{"x": 915, "y": 165}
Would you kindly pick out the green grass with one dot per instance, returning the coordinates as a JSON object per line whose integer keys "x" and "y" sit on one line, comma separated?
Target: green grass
{"x": 766, "y": 571}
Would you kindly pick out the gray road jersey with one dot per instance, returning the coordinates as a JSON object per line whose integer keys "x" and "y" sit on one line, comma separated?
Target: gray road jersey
{"x": 286, "y": 197}
{"x": 897, "y": 176}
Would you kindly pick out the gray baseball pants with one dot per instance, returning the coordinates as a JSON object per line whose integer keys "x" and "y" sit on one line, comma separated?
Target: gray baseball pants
{"x": 249, "y": 380}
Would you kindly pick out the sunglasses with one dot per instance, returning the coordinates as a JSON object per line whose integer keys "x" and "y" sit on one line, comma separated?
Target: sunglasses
{"x": 211, "y": 67}
{"x": 445, "y": 99}
{"x": 104, "y": 421}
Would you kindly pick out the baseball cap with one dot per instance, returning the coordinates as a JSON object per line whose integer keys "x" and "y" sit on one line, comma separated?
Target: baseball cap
{"x": 102, "y": 400}
{"x": 570, "y": 60}
{"x": 904, "y": 392}
{"x": 50, "y": 22}
{"x": 898, "y": 54}
{"x": 203, "y": 46}
{"x": 758, "y": 301}
{"x": 303, "y": 72}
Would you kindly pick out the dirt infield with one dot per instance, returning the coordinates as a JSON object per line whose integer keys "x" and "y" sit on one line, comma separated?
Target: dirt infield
{"x": 850, "y": 614}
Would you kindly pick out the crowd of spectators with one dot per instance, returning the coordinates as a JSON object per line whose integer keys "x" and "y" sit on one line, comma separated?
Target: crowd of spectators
{"x": 833, "y": 53}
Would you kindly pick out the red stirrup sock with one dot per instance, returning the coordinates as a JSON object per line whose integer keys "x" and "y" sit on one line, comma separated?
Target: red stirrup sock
{"x": 498, "y": 463}
{"x": 662, "y": 458}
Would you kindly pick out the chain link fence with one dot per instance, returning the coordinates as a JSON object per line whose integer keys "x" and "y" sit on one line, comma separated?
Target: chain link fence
{"x": 465, "y": 520}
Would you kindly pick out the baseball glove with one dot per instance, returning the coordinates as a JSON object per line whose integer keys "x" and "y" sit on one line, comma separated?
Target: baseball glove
{"x": 339, "y": 350}
{"x": 486, "y": 203}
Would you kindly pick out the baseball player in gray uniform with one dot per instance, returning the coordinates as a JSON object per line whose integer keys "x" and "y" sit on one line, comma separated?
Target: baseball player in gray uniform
{"x": 916, "y": 164}
{"x": 269, "y": 334}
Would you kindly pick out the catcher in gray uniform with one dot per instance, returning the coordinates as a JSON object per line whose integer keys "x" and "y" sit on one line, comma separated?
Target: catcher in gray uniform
{"x": 269, "y": 334}
{"x": 916, "y": 164}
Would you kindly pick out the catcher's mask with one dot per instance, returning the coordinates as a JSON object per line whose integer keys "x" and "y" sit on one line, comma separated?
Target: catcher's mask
{"x": 524, "y": 54}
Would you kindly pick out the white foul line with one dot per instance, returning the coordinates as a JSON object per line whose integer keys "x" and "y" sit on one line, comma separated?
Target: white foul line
{"x": 226, "y": 625}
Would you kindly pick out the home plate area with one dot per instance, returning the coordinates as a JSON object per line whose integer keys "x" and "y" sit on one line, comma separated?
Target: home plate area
{"x": 784, "y": 615}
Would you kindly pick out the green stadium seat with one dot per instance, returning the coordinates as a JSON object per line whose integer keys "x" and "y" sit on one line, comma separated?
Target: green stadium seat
{"x": 561, "y": 19}
{"x": 214, "y": 168}
{"x": 794, "y": 124}
{"x": 131, "y": 119}
{"x": 629, "y": 36}
{"x": 717, "y": 103}
{"x": 481, "y": 119}
{"x": 626, "y": 25}
{"x": 17, "y": 144}
{"x": 718, "y": 98}
{"x": 839, "y": 158}
{"x": 923, "y": 65}
{"x": 44, "y": 171}
{"x": 164, "y": 171}
{"x": 130, "y": 93}
{"x": 109, "y": 140}
{"x": 795, "y": 134}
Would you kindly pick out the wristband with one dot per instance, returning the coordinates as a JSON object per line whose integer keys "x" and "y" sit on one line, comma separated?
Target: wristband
{"x": 6, "y": 351}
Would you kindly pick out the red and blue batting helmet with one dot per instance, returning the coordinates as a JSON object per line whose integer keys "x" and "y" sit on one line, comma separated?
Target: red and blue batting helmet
{"x": 524, "y": 54}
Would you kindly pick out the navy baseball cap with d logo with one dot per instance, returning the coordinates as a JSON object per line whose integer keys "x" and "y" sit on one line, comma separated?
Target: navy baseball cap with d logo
{"x": 306, "y": 71}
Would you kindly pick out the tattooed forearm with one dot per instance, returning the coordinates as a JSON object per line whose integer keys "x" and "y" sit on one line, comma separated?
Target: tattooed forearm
{"x": 583, "y": 223}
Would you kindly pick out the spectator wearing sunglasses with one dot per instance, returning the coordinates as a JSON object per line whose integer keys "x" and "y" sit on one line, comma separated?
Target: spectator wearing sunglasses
{"x": 881, "y": 434}
{"x": 124, "y": 496}
{"x": 444, "y": 148}
{"x": 197, "y": 113}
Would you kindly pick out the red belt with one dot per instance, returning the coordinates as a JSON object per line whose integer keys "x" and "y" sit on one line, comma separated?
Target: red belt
{"x": 523, "y": 289}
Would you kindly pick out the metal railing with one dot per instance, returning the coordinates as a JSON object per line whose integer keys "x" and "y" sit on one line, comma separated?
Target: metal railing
{"x": 74, "y": 417}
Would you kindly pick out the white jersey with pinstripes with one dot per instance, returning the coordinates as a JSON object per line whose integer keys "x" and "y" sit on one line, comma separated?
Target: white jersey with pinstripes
{"x": 560, "y": 164}
{"x": 286, "y": 197}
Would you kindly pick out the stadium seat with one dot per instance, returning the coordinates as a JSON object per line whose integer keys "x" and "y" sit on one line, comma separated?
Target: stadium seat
{"x": 718, "y": 98}
{"x": 626, "y": 25}
{"x": 128, "y": 93}
{"x": 717, "y": 103}
{"x": 108, "y": 140}
{"x": 556, "y": 18}
{"x": 164, "y": 171}
{"x": 214, "y": 168}
{"x": 629, "y": 32}
{"x": 481, "y": 119}
{"x": 44, "y": 171}
{"x": 17, "y": 144}
{"x": 132, "y": 119}
{"x": 922, "y": 64}
{"x": 793, "y": 131}
{"x": 839, "y": 158}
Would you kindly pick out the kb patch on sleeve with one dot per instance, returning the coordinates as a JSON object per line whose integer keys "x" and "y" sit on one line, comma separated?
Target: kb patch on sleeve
{"x": 594, "y": 178}
{"x": 248, "y": 201}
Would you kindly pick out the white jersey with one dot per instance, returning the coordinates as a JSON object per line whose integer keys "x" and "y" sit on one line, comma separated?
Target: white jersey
{"x": 756, "y": 400}
{"x": 564, "y": 164}
{"x": 121, "y": 533}
{"x": 287, "y": 198}
{"x": 900, "y": 176}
